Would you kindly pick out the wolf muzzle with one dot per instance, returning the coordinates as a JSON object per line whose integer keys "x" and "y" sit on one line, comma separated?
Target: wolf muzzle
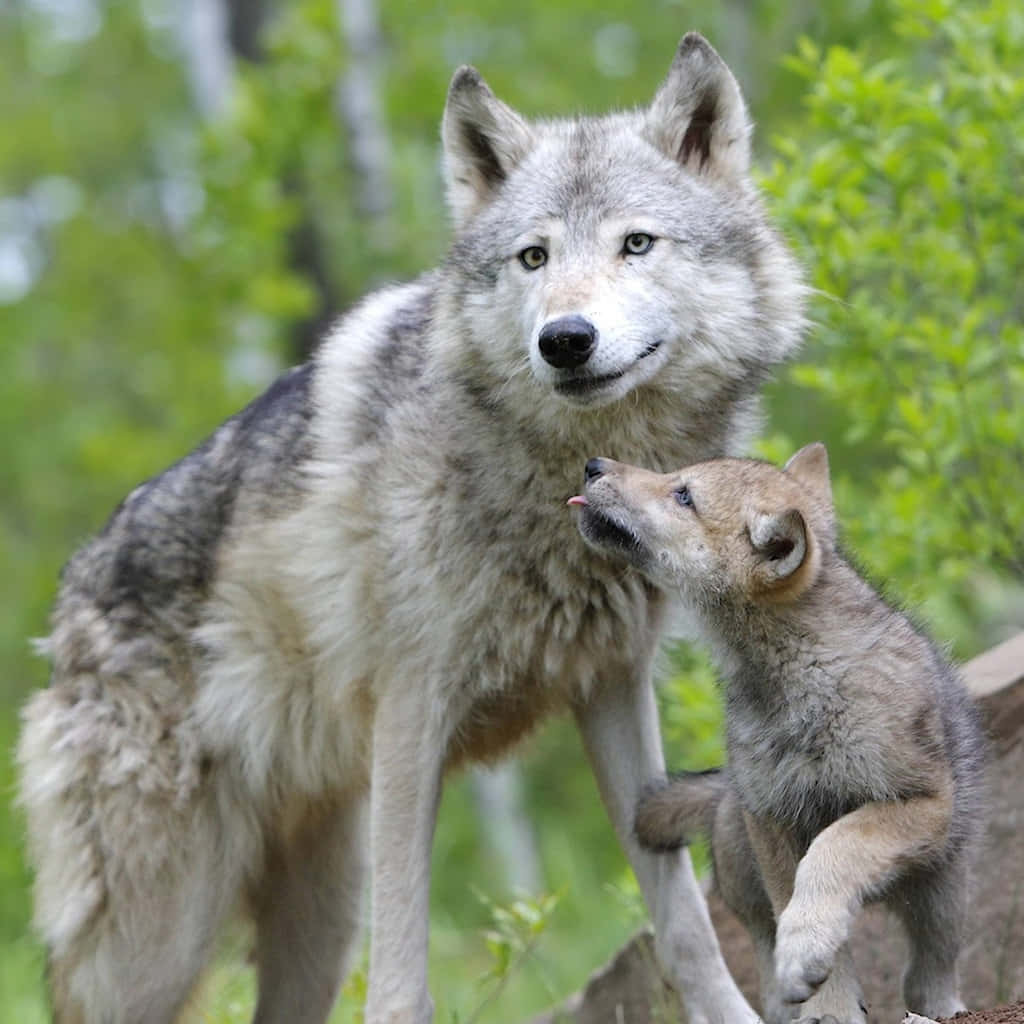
{"x": 567, "y": 342}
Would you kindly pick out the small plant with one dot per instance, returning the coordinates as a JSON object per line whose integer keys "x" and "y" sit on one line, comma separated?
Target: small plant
{"x": 355, "y": 988}
{"x": 511, "y": 939}
{"x": 624, "y": 893}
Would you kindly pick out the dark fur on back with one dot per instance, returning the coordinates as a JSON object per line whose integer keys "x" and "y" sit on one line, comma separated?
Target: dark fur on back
{"x": 267, "y": 659}
{"x": 151, "y": 565}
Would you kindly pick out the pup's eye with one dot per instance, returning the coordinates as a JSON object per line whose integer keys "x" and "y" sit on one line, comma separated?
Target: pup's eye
{"x": 683, "y": 496}
{"x": 637, "y": 243}
{"x": 533, "y": 257}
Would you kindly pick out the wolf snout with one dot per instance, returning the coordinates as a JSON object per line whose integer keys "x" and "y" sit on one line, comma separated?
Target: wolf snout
{"x": 568, "y": 341}
{"x": 593, "y": 469}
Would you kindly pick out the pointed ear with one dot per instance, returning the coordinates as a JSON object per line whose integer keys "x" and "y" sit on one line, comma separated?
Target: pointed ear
{"x": 809, "y": 466}
{"x": 483, "y": 140}
{"x": 780, "y": 539}
{"x": 698, "y": 116}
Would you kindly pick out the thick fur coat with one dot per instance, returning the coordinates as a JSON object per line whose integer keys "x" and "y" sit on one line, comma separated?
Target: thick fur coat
{"x": 265, "y": 662}
{"x": 855, "y": 754}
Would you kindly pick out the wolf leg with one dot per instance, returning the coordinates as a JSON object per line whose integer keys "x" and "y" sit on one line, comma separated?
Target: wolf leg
{"x": 307, "y": 907}
{"x": 134, "y": 870}
{"x": 743, "y": 890}
{"x": 839, "y": 998}
{"x": 835, "y": 995}
{"x": 410, "y": 735}
{"x": 619, "y": 726}
{"x": 932, "y": 906}
{"x": 856, "y": 857}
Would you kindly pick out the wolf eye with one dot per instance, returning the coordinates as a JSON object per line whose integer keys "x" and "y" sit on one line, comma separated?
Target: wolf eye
{"x": 684, "y": 497}
{"x": 637, "y": 243}
{"x": 533, "y": 257}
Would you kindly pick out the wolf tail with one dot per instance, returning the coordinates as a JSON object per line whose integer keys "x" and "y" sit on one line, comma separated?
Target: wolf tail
{"x": 674, "y": 811}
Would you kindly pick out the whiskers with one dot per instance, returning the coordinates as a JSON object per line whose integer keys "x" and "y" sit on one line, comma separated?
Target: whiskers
{"x": 520, "y": 367}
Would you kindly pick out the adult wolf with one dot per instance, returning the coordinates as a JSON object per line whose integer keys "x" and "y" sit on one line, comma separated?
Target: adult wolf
{"x": 282, "y": 642}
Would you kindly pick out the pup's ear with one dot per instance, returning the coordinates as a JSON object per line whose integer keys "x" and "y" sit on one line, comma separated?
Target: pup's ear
{"x": 698, "y": 116}
{"x": 809, "y": 467}
{"x": 779, "y": 539}
{"x": 483, "y": 140}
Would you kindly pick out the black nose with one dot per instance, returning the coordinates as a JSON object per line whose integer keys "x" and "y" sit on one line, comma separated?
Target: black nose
{"x": 568, "y": 341}
{"x": 593, "y": 469}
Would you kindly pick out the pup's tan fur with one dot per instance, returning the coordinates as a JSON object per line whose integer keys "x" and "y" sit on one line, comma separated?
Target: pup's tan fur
{"x": 855, "y": 755}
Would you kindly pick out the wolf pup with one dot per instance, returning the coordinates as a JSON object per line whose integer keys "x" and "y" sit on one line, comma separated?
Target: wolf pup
{"x": 855, "y": 756}
{"x": 268, "y": 658}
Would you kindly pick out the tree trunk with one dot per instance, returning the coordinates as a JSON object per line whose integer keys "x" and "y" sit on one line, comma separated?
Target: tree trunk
{"x": 362, "y": 112}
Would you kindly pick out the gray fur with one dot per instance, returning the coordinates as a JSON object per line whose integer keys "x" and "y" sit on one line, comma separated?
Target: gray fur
{"x": 368, "y": 577}
{"x": 855, "y": 756}
{"x": 673, "y": 812}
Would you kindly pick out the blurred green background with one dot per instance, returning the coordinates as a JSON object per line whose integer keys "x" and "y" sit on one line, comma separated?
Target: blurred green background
{"x": 189, "y": 191}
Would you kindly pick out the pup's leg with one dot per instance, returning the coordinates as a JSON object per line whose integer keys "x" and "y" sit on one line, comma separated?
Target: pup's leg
{"x": 743, "y": 890}
{"x": 307, "y": 907}
{"x": 619, "y": 726}
{"x": 134, "y": 868}
{"x": 411, "y": 730}
{"x": 932, "y": 906}
{"x": 848, "y": 862}
{"x": 838, "y": 997}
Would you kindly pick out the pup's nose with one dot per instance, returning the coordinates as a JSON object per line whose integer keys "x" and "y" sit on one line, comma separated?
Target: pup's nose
{"x": 593, "y": 469}
{"x": 568, "y": 341}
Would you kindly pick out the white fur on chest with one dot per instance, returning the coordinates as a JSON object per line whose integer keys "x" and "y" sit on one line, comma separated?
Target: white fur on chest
{"x": 431, "y": 549}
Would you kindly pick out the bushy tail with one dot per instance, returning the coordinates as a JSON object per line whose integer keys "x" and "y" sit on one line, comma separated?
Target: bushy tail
{"x": 674, "y": 811}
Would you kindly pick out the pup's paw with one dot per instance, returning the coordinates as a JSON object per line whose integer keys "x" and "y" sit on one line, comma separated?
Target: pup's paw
{"x": 799, "y": 981}
{"x": 827, "y": 1019}
{"x": 774, "y": 1009}
{"x": 838, "y": 1001}
{"x": 805, "y": 949}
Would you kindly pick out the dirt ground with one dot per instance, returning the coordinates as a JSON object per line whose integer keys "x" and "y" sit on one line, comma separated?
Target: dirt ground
{"x": 1001, "y": 1015}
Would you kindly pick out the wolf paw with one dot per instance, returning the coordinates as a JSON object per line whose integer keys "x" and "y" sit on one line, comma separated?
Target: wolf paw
{"x": 827, "y": 1019}
{"x": 804, "y": 956}
{"x": 798, "y": 984}
{"x": 802, "y": 966}
{"x": 838, "y": 1002}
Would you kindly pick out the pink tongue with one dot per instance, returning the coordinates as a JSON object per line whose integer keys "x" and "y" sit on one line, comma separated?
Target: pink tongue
{"x": 577, "y": 499}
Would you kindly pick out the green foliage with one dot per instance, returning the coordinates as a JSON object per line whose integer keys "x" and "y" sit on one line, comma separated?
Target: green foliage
{"x": 515, "y": 930}
{"x": 903, "y": 189}
{"x": 691, "y": 712}
{"x": 151, "y": 320}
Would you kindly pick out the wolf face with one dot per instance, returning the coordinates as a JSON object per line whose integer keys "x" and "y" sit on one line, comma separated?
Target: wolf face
{"x": 366, "y": 576}
{"x": 728, "y": 529}
{"x": 617, "y": 247}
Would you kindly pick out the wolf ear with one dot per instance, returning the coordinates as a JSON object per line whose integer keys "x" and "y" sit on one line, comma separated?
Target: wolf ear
{"x": 698, "y": 116}
{"x": 809, "y": 467}
{"x": 780, "y": 541}
{"x": 483, "y": 140}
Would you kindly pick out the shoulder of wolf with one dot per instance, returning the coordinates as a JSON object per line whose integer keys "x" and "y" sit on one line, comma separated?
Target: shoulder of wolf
{"x": 360, "y": 359}
{"x": 374, "y": 319}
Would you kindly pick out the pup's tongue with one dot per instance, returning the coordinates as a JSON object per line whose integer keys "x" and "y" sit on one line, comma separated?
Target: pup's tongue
{"x": 577, "y": 499}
